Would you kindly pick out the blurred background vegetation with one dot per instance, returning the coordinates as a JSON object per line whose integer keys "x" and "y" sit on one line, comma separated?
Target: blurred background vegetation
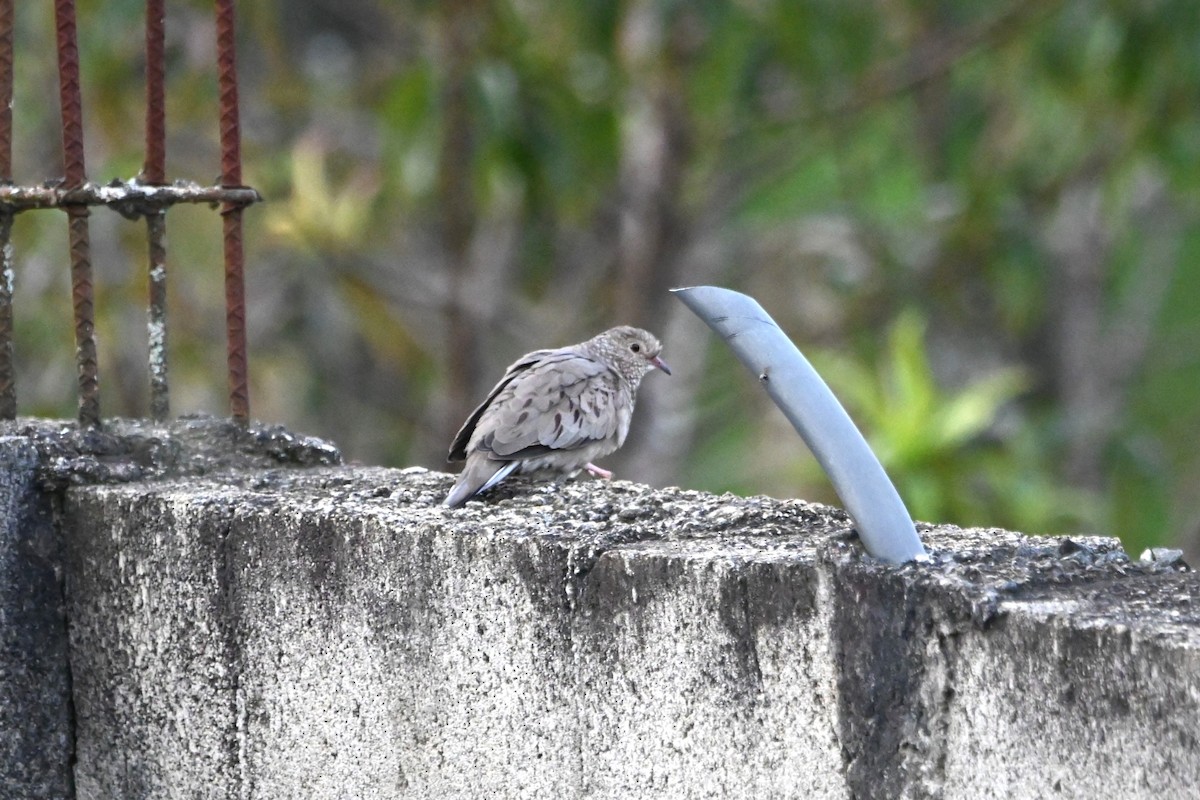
{"x": 979, "y": 219}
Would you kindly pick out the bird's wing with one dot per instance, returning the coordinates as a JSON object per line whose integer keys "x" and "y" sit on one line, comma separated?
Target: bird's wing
{"x": 458, "y": 448}
{"x": 564, "y": 401}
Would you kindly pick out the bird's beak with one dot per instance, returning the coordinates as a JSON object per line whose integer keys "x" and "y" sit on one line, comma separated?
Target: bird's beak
{"x": 658, "y": 362}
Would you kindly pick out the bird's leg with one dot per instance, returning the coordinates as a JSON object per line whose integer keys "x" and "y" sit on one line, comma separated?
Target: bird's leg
{"x": 599, "y": 472}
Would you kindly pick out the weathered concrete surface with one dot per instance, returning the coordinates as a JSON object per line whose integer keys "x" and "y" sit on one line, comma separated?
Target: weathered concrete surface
{"x": 139, "y": 450}
{"x": 336, "y": 633}
{"x": 35, "y": 724}
{"x": 38, "y": 460}
{"x": 256, "y": 631}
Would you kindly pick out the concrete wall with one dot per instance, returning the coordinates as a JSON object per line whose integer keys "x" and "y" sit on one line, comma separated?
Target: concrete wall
{"x": 332, "y": 632}
{"x": 35, "y": 724}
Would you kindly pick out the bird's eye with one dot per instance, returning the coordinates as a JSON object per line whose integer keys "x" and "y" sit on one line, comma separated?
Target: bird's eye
{"x": 635, "y": 347}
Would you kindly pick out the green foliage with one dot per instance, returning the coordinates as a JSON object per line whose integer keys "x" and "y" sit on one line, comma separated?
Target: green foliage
{"x": 947, "y": 451}
{"x": 322, "y": 218}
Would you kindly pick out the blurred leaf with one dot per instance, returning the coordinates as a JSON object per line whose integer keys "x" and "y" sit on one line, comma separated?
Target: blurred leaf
{"x": 942, "y": 448}
{"x": 318, "y": 215}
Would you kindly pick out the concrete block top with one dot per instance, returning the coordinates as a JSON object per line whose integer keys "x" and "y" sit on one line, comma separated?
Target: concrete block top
{"x": 982, "y": 572}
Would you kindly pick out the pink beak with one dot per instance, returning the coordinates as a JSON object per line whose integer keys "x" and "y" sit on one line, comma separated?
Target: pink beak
{"x": 658, "y": 362}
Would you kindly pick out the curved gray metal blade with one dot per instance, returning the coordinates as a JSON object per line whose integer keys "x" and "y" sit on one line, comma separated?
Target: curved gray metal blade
{"x": 883, "y": 522}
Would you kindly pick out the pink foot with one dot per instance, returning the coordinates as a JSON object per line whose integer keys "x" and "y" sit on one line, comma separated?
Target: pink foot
{"x": 599, "y": 472}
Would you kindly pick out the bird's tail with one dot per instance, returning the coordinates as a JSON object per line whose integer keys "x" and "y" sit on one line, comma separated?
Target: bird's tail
{"x": 480, "y": 474}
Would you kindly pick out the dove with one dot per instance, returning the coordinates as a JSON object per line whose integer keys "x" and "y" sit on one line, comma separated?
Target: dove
{"x": 555, "y": 412}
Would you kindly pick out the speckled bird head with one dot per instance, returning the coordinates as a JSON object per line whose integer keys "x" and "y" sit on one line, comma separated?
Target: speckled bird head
{"x": 632, "y": 351}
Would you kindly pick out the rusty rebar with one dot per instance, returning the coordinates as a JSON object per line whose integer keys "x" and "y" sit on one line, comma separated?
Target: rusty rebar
{"x": 70, "y": 96}
{"x": 131, "y": 199}
{"x": 231, "y": 176}
{"x": 83, "y": 302}
{"x": 146, "y": 196}
{"x": 75, "y": 175}
{"x": 8, "y": 384}
{"x": 154, "y": 171}
{"x": 6, "y": 89}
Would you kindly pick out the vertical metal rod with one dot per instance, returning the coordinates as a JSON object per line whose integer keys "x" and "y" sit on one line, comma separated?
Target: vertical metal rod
{"x": 156, "y": 322}
{"x": 82, "y": 294}
{"x": 154, "y": 171}
{"x": 8, "y": 383}
{"x": 231, "y": 175}
{"x": 6, "y": 89}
